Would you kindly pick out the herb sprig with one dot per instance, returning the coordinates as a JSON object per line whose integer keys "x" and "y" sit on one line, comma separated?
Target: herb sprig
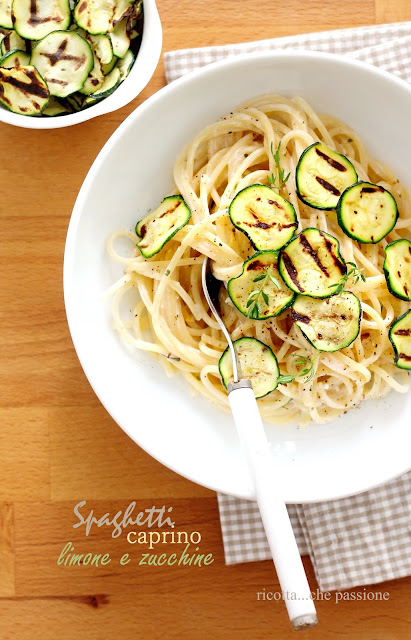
{"x": 277, "y": 181}
{"x": 308, "y": 370}
{"x": 354, "y": 272}
{"x": 253, "y": 300}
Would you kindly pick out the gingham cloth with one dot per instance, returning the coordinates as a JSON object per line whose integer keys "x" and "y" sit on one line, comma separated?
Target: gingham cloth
{"x": 362, "y": 539}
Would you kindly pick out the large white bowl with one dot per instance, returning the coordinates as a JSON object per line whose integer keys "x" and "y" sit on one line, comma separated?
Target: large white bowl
{"x": 366, "y": 447}
{"x": 140, "y": 74}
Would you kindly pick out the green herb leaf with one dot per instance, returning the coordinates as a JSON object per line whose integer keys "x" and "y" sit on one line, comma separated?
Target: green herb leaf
{"x": 253, "y": 302}
{"x": 277, "y": 182}
{"x": 354, "y": 272}
{"x": 285, "y": 379}
{"x": 308, "y": 370}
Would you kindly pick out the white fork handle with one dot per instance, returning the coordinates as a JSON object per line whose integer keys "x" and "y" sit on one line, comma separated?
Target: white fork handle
{"x": 277, "y": 525}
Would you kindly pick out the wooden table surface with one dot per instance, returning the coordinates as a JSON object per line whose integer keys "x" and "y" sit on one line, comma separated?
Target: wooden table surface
{"x": 58, "y": 445}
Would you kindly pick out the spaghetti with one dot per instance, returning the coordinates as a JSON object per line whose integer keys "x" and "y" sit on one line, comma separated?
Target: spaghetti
{"x": 171, "y": 318}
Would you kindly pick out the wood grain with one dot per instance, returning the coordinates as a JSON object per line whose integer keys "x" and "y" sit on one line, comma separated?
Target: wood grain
{"x": 392, "y": 10}
{"x": 118, "y": 468}
{"x": 58, "y": 445}
{"x": 7, "y": 583}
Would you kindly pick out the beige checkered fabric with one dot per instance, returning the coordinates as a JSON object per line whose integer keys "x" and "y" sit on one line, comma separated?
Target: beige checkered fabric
{"x": 362, "y": 539}
{"x": 388, "y": 46}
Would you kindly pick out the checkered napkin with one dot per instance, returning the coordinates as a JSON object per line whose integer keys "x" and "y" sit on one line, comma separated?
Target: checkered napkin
{"x": 366, "y": 538}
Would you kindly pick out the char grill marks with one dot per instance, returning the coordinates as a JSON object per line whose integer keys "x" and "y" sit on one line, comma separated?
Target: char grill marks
{"x": 340, "y": 265}
{"x": 268, "y": 225}
{"x": 372, "y": 189}
{"x": 59, "y": 55}
{"x": 300, "y": 317}
{"x": 254, "y": 265}
{"x": 402, "y": 332}
{"x": 331, "y": 161}
{"x": 313, "y": 254}
{"x": 292, "y": 271}
{"x": 28, "y": 88}
{"x": 327, "y": 185}
{"x": 34, "y": 19}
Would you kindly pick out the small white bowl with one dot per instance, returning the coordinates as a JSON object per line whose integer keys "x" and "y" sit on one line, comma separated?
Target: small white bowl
{"x": 139, "y": 76}
{"x": 133, "y": 172}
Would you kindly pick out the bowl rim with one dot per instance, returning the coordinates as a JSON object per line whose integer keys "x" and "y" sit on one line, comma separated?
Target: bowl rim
{"x": 141, "y": 73}
{"x": 69, "y": 253}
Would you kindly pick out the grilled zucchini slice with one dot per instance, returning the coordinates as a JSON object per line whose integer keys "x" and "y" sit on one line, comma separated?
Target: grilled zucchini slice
{"x": 35, "y": 19}
{"x": 397, "y": 268}
{"x": 56, "y": 108}
{"x": 75, "y": 101}
{"x": 119, "y": 39}
{"x": 331, "y": 324}
{"x": 23, "y": 90}
{"x": 95, "y": 79}
{"x": 12, "y": 42}
{"x": 161, "y": 225}
{"x": 311, "y": 263}
{"x": 109, "y": 66}
{"x": 101, "y": 45}
{"x": 266, "y": 218}
{"x": 257, "y": 363}
{"x": 125, "y": 65}
{"x": 133, "y": 17}
{"x": 5, "y": 14}
{"x": 15, "y": 59}
{"x": 322, "y": 175}
{"x": 367, "y": 212}
{"x": 400, "y": 337}
{"x": 260, "y": 274}
{"x": 110, "y": 84}
{"x": 101, "y": 16}
{"x": 65, "y": 60}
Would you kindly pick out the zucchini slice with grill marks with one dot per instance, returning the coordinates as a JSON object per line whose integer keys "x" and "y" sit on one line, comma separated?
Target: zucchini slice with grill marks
{"x": 101, "y": 44}
{"x": 322, "y": 175}
{"x": 331, "y": 324}
{"x": 260, "y": 277}
{"x": 35, "y": 19}
{"x": 266, "y": 218}
{"x": 109, "y": 66}
{"x": 15, "y": 59}
{"x": 110, "y": 84}
{"x": 257, "y": 363}
{"x": 367, "y": 212}
{"x": 119, "y": 39}
{"x": 161, "y": 225}
{"x": 133, "y": 17}
{"x": 311, "y": 263}
{"x": 12, "y": 42}
{"x": 95, "y": 79}
{"x": 400, "y": 337}
{"x": 65, "y": 60}
{"x": 125, "y": 65}
{"x": 101, "y": 16}
{"x": 6, "y": 20}
{"x": 397, "y": 268}
{"x": 23, "y": 90}
{"x": 75, "y": 101}
{"x": 56, "y": 108}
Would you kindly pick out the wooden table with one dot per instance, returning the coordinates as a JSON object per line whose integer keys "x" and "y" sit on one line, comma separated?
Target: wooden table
{"x": 58, "y": 446}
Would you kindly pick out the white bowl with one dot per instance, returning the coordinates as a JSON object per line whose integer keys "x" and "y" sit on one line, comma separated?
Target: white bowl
{"x": 133, "y": 172}
{"x": 139, "y": 76}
